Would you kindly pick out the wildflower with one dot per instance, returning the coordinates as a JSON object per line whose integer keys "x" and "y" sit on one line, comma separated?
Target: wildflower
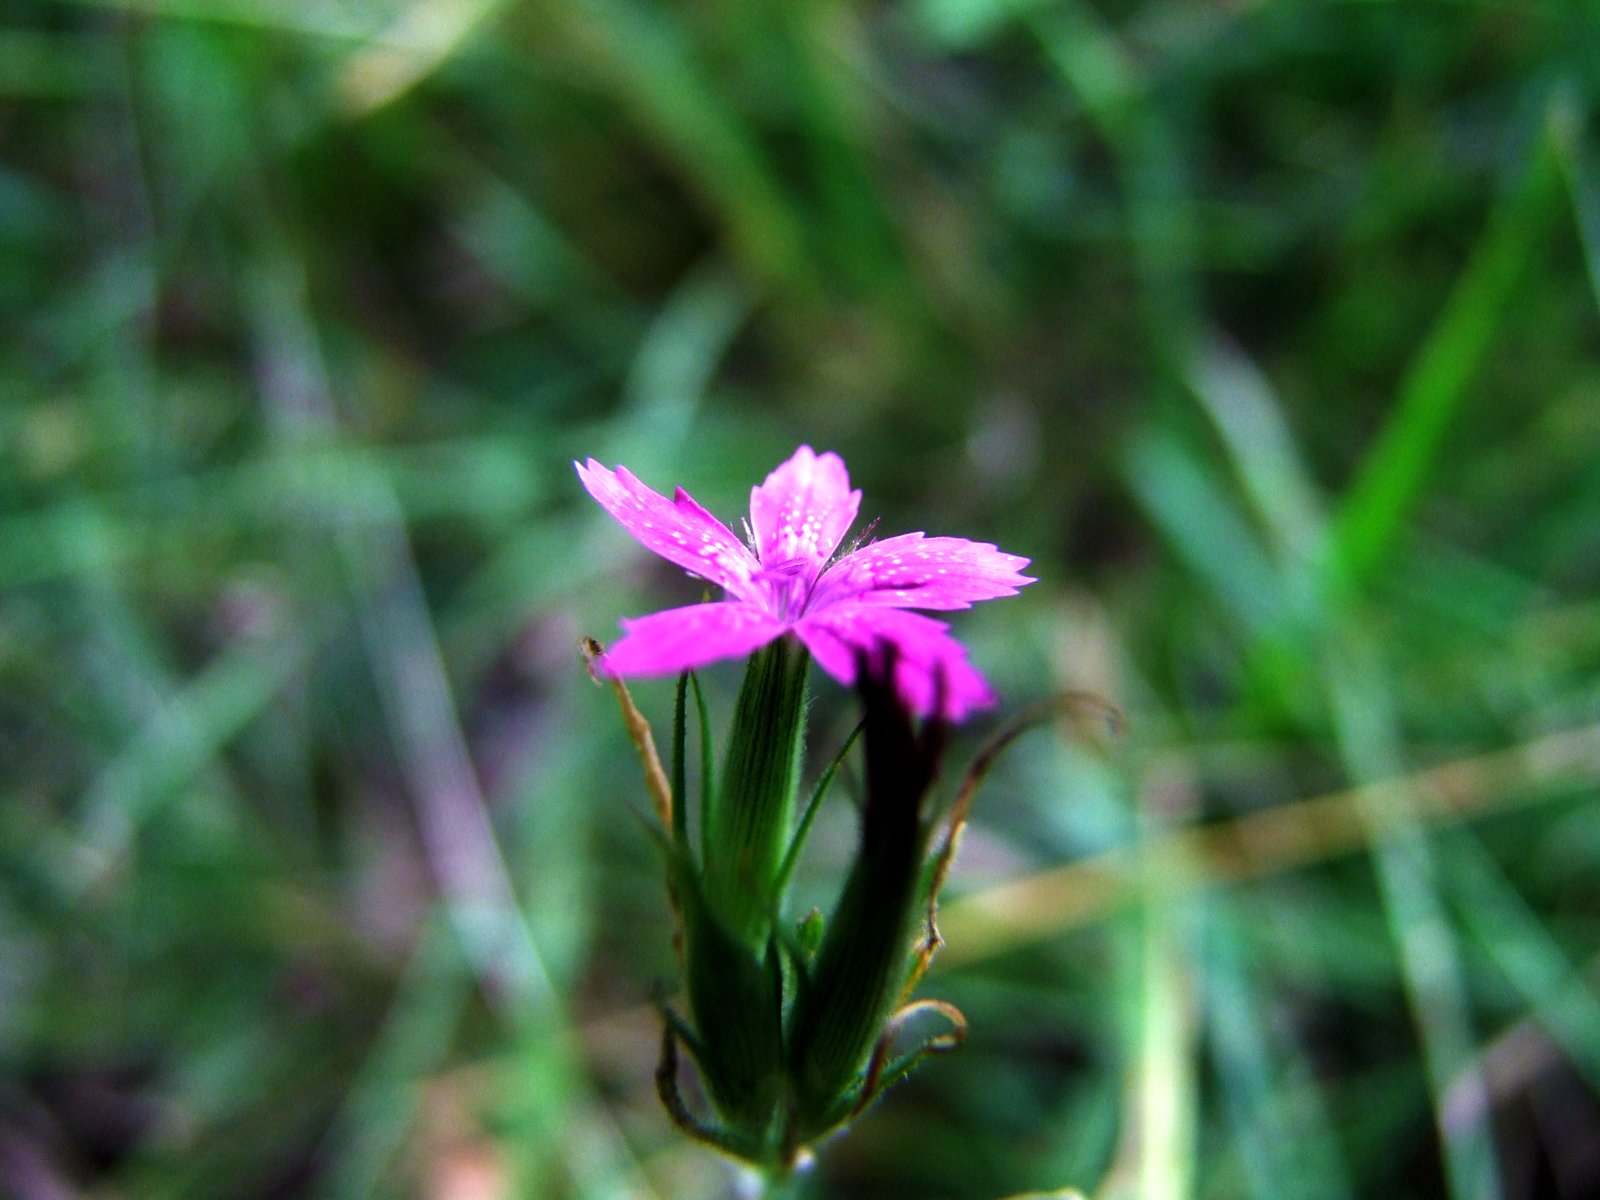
{"x": 789, "y": 581}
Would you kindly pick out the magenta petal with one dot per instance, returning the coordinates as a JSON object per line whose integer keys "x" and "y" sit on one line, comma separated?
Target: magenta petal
{"x": 802, "y": 510}
{"x": 680, "y": 639}
{"x": 679, "y": 530}
{"x": 931, "y": 667}
{"x": 798, "y": 517}
{"x": 914, "y": 571}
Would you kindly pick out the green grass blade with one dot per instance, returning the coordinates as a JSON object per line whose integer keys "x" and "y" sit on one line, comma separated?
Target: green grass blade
{"x": 791, "y": 858}
{"x": 1394, "y": 472}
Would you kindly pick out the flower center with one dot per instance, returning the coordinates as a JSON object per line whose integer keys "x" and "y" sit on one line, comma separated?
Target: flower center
{"x": 787, "y": 586}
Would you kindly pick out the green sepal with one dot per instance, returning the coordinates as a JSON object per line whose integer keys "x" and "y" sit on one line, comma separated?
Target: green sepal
{"x": 680, "y": 815}
{"x": 855, "y": 978}
{"x": 860, "y": 969}
{"x": 735, "y": 1000}
{"x": 747, "y": 832}
{"x": 707, "y": 771}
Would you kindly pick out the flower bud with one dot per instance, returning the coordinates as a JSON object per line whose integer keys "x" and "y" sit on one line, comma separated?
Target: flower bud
{"x": 862, "y": 964}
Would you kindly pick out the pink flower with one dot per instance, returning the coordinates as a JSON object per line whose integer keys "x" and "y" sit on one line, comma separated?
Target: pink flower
{"x": 788, "y": 582}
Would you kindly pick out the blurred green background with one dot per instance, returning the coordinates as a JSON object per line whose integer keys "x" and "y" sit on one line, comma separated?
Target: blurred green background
{"x": 1268, "y": 329}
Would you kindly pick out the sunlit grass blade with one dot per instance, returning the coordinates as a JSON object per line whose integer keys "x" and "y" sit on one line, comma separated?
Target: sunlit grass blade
{"x": 1425, "y": 941}
{"x": 420, "y": 38}
{"x": 1156, "y": 1158}
{"x": 1207, "y": 531}
{"x": 1583, "y": 191}
{"x": 1558, "y": 992}
{"x": 1288, "y": 1146}
{"x": 379, "y": 1115}
{"x": 646, "y": 56}
{"x": 1438, "y": 382}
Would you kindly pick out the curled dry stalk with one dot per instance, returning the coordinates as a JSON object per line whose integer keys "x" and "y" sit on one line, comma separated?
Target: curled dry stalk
{"x": 705, "y": 1132}
{"x": 1079, "y": 704}
{"x": 884, "y": 1071}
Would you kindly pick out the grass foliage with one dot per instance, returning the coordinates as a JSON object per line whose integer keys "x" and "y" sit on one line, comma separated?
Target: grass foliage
{"x": 1267, "y": 329}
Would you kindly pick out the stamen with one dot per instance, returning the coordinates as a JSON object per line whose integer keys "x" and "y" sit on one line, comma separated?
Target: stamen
{"x": 856, "y": 543}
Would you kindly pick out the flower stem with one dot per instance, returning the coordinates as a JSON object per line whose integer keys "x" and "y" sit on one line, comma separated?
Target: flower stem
{"x": 778, "y": 1183}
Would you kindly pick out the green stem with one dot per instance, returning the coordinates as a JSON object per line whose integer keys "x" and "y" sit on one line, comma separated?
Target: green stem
{"x": 779, "y": 1183}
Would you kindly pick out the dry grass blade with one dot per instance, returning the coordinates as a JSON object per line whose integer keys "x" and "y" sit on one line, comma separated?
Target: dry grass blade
{"x": 644, "y": 742}
{"x": 1069, "y": 704}
{"x": 1278, "y": 839}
